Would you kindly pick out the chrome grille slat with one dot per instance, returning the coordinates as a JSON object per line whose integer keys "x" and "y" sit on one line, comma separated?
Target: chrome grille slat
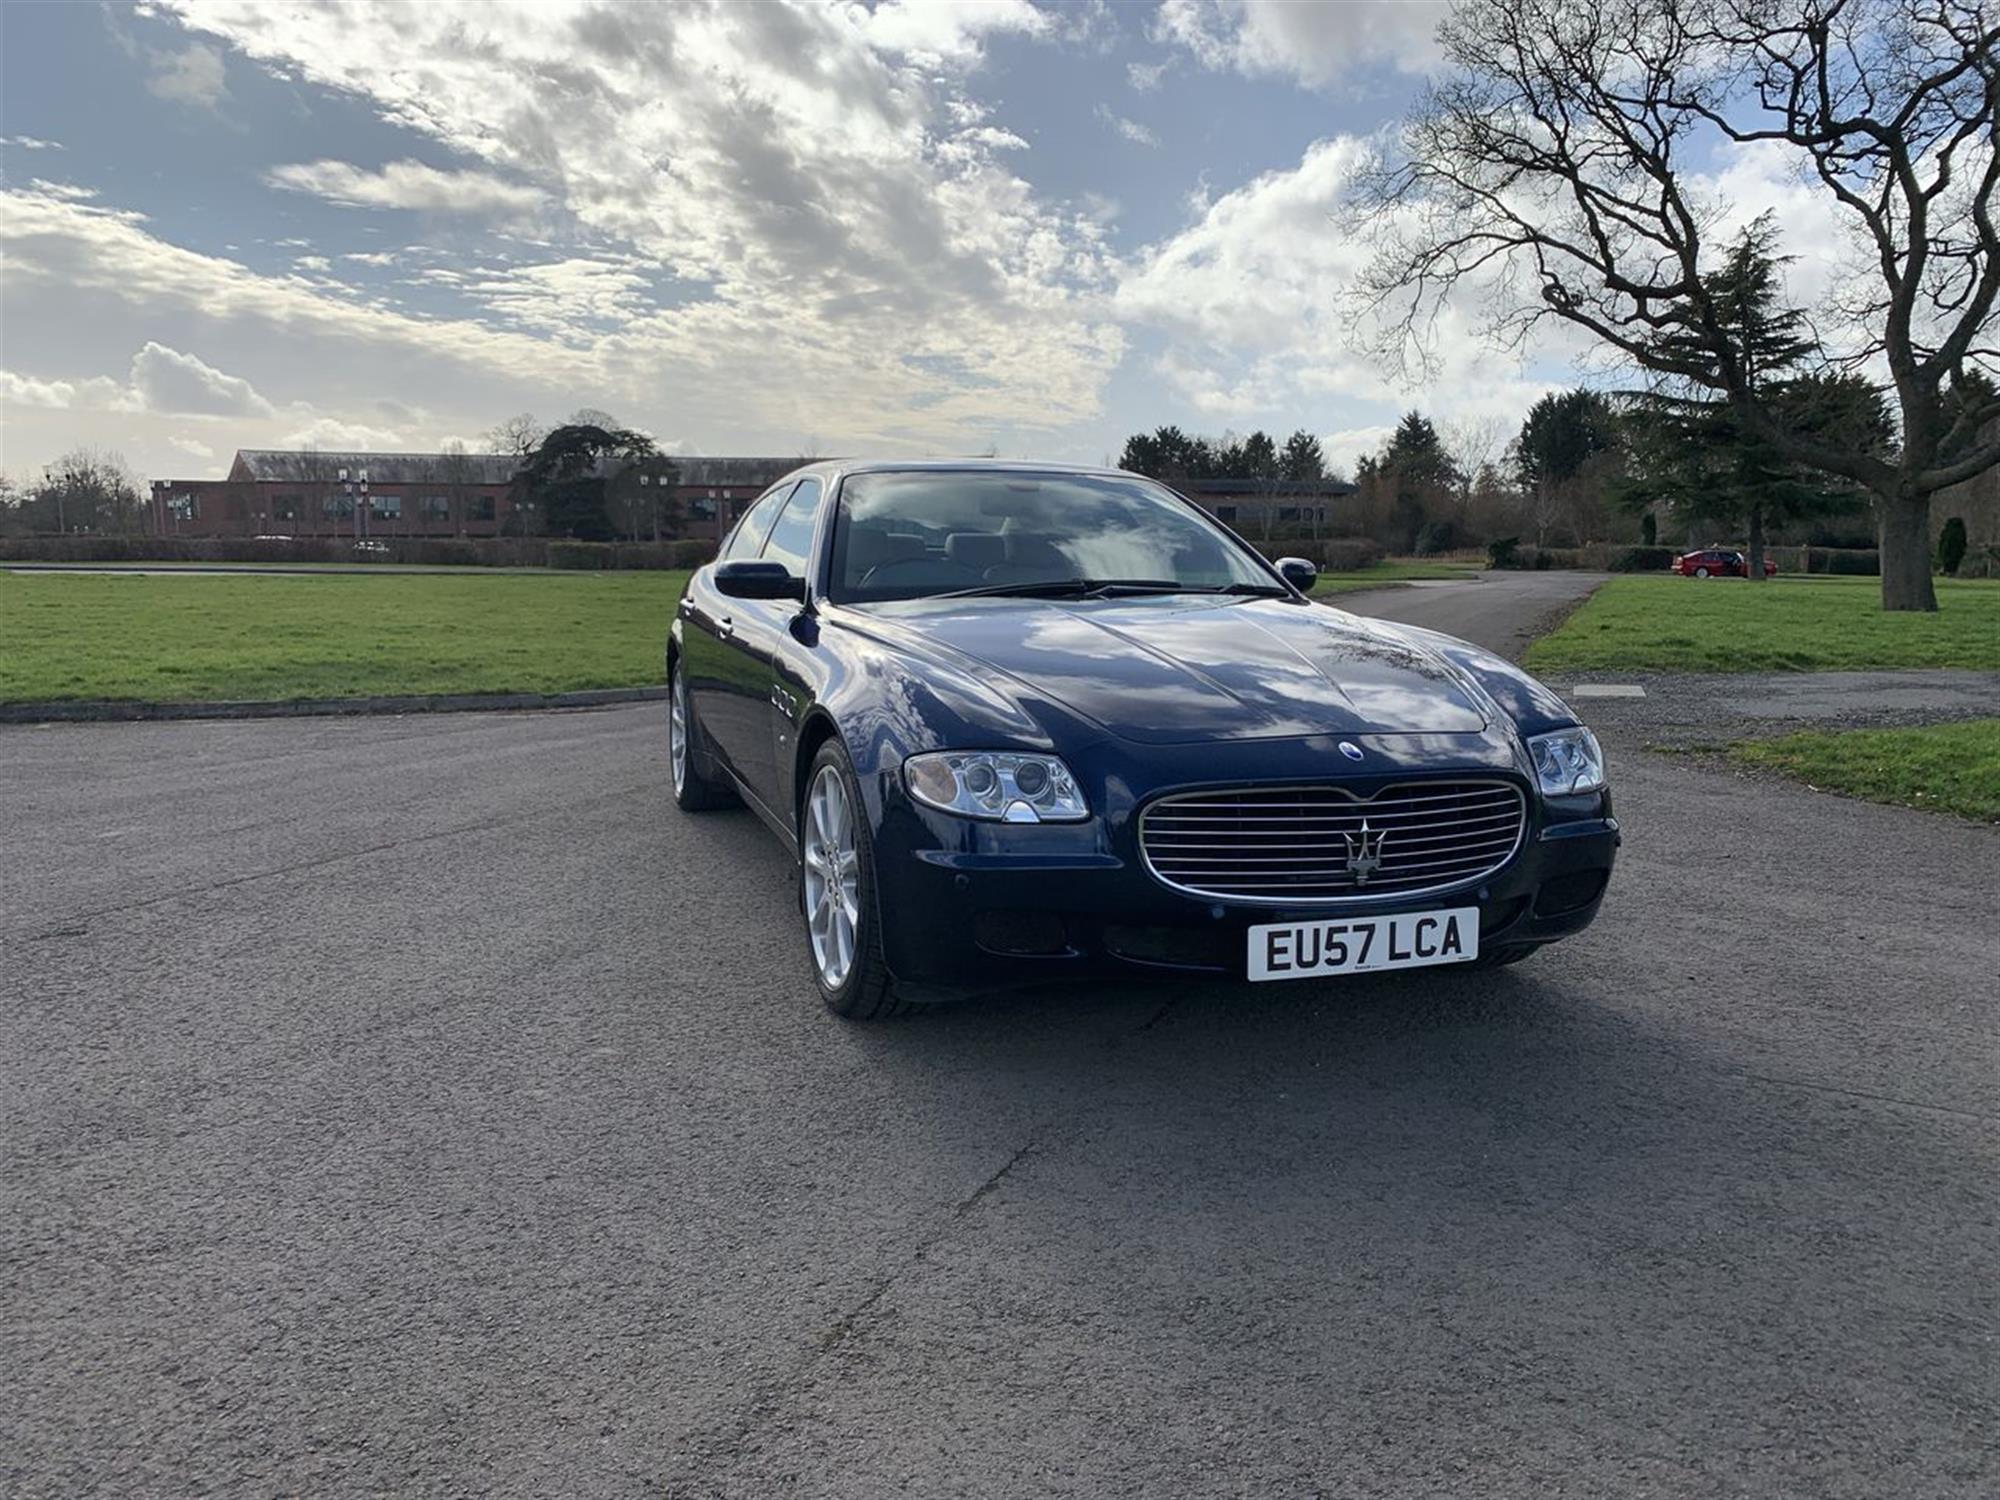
{"x": 1291, "y": 843}
{"x": 1330, "y": 832}
{"x": 1294, "y": 809}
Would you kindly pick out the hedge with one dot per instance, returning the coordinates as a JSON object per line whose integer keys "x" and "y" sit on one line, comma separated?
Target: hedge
{"x": 1336, "y": 554}
{"x": 470, "y": 552}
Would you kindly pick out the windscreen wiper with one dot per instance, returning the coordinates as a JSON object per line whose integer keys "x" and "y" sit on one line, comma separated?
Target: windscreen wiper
{"x": 1066, "y": 588}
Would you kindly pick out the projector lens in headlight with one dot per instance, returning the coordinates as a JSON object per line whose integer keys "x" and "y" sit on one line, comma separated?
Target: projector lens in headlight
{"x": 1567, "y": 762}
{"x": 1005, "y": 786}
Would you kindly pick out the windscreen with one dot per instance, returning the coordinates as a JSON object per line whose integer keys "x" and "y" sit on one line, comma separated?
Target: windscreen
{"x": 909, "y": 535}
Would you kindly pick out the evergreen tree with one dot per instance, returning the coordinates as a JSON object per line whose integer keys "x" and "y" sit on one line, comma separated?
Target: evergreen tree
{"x": 1301, "y": 459}
{"x": 1691, "y": 449}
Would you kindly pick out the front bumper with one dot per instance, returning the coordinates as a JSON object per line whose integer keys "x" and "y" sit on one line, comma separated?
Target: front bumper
{"x": 1044, "y": 904}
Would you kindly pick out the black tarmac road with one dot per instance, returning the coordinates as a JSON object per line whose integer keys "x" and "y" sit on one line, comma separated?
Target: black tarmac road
{"x": 424, "y": 1106}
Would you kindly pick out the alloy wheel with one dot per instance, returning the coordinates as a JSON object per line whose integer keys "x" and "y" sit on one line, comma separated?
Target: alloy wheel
{"x": 832, "y": 877}
{"x": 677, "y": 719}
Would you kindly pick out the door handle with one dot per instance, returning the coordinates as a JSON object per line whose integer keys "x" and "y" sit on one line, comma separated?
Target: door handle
{"x": 725, "y": 627}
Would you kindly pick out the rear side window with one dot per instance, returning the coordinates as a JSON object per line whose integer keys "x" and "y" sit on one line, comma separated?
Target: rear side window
{"x": 750, "y": 531}
{"x": 791, "y": 538}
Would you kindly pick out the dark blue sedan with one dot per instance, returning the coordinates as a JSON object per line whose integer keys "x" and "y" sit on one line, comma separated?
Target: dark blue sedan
{"x": 1020, "y": 722}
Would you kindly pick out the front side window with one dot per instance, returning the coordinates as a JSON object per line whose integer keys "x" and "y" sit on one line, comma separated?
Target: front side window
{"x": 906, "y": 535}
{"x": 791, "y": 538}
{"x": 749, "y": 534}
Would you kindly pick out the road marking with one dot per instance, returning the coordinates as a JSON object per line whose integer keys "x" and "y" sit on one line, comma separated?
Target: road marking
{"x": 1607, "y": 690}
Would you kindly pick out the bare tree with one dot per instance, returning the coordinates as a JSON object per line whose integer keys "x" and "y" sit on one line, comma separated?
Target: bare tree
{"x": 1552, "y": 174}
{"x": 518, "y": 436}
{"x": 87, "y": 489}
{"x": 458, "y": 475}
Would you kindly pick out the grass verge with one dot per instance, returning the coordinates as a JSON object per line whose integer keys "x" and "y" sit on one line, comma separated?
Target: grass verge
{"x": 1952, "y": 768}
{"x": 202, "y": 638}
{"x": 1670, "y": 624}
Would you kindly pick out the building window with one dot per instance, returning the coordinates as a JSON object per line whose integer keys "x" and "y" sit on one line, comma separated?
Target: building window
{"x": 702, "y": 508}
{"x": 1225, "y": 514}
{"x": 285, "y": 507}
{"x": 338, "y": 506}
{"x": 437, "y": 507}
{"x": 1288, "y": 513}
{"x": 385, "y": 507}
{"x": 480, "y": 509}
{"x": 183, "y": 507}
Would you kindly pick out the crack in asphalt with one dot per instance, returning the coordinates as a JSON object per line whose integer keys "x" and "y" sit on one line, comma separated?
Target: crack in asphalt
{"x": 1831, "y": 1088}
{"x": 698, "y": 1451}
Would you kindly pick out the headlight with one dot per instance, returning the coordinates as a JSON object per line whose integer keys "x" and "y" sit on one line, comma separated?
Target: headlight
{"x": 1567, "y": 761}
{"x": 997, "y": 784}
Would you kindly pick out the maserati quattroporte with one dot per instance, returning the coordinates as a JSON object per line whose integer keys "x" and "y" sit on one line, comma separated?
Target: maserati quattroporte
{"x": 1018, "y": 722}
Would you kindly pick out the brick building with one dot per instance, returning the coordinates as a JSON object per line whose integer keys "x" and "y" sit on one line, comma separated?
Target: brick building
{"x": 303, "y": 493}
{"x": 272, "y": 492}
{"x": 1253, "y": 507}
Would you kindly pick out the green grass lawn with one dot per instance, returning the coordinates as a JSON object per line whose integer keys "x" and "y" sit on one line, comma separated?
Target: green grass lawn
{"x": 1670, "y": 624}
{"x": 182, "y": 639}
{"x": 1391, "y": 571}
{"x": 1951, "y": 768}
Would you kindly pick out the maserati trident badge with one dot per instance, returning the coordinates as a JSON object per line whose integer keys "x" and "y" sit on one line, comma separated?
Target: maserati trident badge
{"x": 1351, "y": 750}
{"x": 1364, "y": 853}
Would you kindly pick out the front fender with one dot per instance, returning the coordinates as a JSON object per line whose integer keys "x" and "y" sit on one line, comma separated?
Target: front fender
{"x": 1534, "y": 707}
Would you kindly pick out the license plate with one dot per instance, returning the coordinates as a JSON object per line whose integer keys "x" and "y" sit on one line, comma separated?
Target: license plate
{"x": 1363, "y": 945}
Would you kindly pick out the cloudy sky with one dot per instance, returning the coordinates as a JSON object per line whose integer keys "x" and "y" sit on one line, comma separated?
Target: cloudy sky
{"x": 744, "y": 227}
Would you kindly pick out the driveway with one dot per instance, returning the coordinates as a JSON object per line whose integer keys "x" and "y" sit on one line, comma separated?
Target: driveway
{"x": 425, "y": 1106}
{"x": 1501, "y": 611}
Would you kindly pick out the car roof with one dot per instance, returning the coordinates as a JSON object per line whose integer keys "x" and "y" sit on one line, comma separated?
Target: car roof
{"x": 836, "y": 467}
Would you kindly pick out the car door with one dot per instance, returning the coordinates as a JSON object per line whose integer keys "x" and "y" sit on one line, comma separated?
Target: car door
{"x": 728, "y": 689}
{"x": 792, "y": 679}
{"x": 763, "y": 636}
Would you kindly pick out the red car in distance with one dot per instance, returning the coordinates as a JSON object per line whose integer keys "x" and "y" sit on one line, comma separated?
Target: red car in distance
{"x": 1718, "y": 562}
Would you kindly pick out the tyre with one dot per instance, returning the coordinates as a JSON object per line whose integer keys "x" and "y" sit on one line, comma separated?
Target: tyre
{"x": 1701, "y": 572}
{"x": 694, "y": 790}
{"x": 843, "y": 922}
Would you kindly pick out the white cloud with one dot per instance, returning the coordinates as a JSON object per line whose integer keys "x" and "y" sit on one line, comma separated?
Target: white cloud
{"x": 1145, "y": 77}
{"x": 26, "y": 390}
{"x": 568, "y": 298}
{"x": 192, "y": 447}
{"x": 175, "y": 384}
{"x": 834, "y": 241}
{"x": 1255, "y": 295}
{"x": 192, "y": 77}
{"x": 1314, "y": 44}
{"x": 314, "y": 263}
{"x": 30, "y": 143}
{"x": 332, "y": 433}
{"x": 409, "y": 184}
{"x": 934, "y": 32}
{"x": 1131, "y": 130}
{"x": 67, "y": 190}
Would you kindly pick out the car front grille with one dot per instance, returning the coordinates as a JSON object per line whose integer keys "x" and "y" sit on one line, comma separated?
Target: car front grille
{"x": 1309, "y": 843}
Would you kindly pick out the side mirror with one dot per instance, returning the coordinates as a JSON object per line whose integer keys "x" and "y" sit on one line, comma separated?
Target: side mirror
{"x": 1299, "y": 573}
{"x": 749, "y": 578}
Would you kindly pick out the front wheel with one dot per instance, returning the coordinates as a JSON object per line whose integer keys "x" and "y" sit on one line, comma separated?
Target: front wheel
{"x": 693, "y": 791}
{"x": 837, "y": 893}
{"x": 1701, "y": 572}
